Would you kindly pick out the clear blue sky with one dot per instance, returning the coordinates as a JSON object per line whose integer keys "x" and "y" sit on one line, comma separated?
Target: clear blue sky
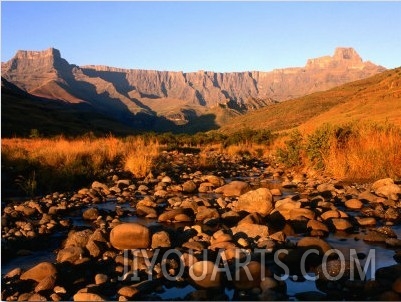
{"x": 191, "y": 36}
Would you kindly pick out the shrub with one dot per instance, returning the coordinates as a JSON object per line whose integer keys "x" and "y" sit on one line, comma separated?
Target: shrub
{"x": 291, "y": 154}
{"x": 318, "y": 145}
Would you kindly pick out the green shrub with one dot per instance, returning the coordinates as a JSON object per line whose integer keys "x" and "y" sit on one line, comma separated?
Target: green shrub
{"x": 318, "y": 145}
{"x": 290, "y": 155}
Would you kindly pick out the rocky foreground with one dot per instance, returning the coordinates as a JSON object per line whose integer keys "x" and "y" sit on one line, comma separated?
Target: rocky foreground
{"x": 233, "y": 233}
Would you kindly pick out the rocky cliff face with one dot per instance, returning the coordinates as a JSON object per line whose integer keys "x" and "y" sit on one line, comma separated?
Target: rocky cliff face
{"x": 121, "y": 92}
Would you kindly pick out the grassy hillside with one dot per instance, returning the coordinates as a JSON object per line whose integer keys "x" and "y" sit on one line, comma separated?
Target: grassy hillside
{"x": 377, "y": 99}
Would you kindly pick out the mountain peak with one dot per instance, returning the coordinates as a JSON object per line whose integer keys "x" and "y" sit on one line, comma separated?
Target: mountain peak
{"x": 343, "y": 57}
{"x": 346, "y": 53}
{"x": 33, "y": 55}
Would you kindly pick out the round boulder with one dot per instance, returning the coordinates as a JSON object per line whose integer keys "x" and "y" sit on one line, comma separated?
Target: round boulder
{"x": 130, "y": 236}
{"x": 205, "y": 274}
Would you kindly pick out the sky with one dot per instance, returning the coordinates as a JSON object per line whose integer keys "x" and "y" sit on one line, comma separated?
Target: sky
{"x": 213, "y": 36}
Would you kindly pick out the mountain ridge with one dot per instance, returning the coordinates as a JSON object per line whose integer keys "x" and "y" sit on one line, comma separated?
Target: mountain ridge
{"x": 176, "y": 96}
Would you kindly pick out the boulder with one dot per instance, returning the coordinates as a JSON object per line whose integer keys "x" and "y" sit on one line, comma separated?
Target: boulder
{"x": 313, "y": 242}
{"x": 70, "y": 254}
{"x": 248, "y": 276}
{"x": 205, "y": 274}
{"x": 39, "y": 272}
{"x": 207, "y": 213}
{"x": 391, "y": 191}
{"x": 354, "y": 204}
{"x": 317, "y": 226}
{"x": 130, "y": 236}
{"x": 78, "y": 238}
{"x": 381, "y": 183}
{"x": 189, "y": 186}
{"x": 161, "y": 239}
{"x": 90, "y": 214}
{"x": 251, "y": 230}
{"x": 256, "y": 201}
{"x": 214, "y": 180}
{"x": 341, "y": 224}
{"x": 234, "y": 188}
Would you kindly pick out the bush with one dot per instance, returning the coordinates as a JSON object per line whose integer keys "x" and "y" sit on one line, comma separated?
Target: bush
{"x": 318, "y": 145}
{"x": 291, "y": 154}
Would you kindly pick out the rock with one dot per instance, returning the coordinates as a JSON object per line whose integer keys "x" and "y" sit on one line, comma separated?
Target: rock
{"x": 393, "y": 242}
{"x": 353, "y": 204}
{"x": 333, "y": 269}
{"x": 100, "y": 279}
{"x": 257, "y": 201}
{"x": 268, "y": 283}
{"x": 160, "y": 239}
{"x": 313, "y": 242}
{"x": 278, "y": 236}
{"x": 248, "y": 276}
{"x": 341, "y": 224}
{"x": 80, "y": 296}
{"x": 392, "y": 214}
{"x": 14, "y": 273}
{"x": 367, "y": 196}
{"x": 193, "y": 245}
{"x": 251, "y": 230}
{"x": 130, "y": 236}
{"x": 381, "y": 183}
{"x": 166, "y": 179}
{"x": 205, "y": 187}
{"x": 90, "y": 214}
{"x": 387, "y": 231}
{"x": 391, "y": 191}
{"x": 189, "y": 186}
{"x": 170, "y": 215}
{"x": 128, "y": 291}
{"x": 374, "y": 236}
{"x": 40, "y": 272}
{"x": 146, "y": 211}
{"x": 330, "y": 214}
{"x": 326, "y": 189}
{"x": 205, "y": 274}
{"x": 36, "y": 297}
{"x": 317, "y": 226}
{"x": 46, "y": 283}
{"x": 366, "y": 221}
{"x": 301, "y": 213}
{"x": 79, "y": 238}
{"x": 182, "y": 218}
{"x": 99, "y": 185}
{"x": 70, "y": 254}
{"x": 234, "y": 188}
{"x": 214, "y": 180}
{"x": 253, "y": 218}
{"x": 206, "y": 213}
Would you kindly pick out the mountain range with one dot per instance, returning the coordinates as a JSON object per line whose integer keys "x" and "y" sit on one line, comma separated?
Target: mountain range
{"x": 42, "y": 90}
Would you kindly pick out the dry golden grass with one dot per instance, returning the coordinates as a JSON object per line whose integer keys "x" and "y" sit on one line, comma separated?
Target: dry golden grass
{"x": 133, "y": 153}
{"x": 370, "y": 154}
{"x": 139, "y": 156}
